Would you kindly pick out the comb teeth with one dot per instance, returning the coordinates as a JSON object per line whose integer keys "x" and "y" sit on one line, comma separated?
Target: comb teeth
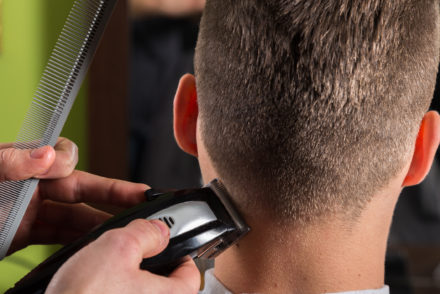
{"x": 60, "y": 75}
{"x": 51, "y": 104}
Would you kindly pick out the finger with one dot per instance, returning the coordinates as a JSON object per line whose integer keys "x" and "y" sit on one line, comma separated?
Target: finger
{"x": 21, "y": 164}
{"x": 187, "y": 276}
{"x": 65, "y": 160}
{"x": 185, "y": 279}
{"x": 85, "y": 187}
{"x": 79, "y": 217}
{"x": 138, "y": 240}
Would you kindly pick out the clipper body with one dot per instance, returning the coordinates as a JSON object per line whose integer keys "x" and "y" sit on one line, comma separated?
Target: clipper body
{"x": 203, "y": 223}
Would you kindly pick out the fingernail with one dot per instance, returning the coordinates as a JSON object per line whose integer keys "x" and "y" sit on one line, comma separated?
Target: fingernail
{"x": 38, "y": 153}
{"x": 161, "y": 227}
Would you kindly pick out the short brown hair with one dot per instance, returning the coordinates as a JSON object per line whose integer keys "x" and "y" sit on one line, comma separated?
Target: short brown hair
{"x": 310, "y": 107}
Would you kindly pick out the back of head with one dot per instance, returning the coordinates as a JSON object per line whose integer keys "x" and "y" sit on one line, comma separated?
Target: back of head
{"x": 311, "y": 107}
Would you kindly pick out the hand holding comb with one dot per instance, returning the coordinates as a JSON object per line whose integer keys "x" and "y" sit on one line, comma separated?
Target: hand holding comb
{"x": 51, "y": 104}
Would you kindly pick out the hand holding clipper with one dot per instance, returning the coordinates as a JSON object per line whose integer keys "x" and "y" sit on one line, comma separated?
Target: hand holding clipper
{"x": 203, "y": 223}
{"x": 119, "y": 272}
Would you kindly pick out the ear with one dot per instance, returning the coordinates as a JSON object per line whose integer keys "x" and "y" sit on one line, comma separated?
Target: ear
{"x": 427, "y": 143}
{"x": 185, "y": 114}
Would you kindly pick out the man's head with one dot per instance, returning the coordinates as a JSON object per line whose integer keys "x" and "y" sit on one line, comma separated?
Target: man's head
{"x": 311, "y": 107}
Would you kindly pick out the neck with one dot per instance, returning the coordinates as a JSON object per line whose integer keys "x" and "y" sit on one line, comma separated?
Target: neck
{"x": 330, "y": 256}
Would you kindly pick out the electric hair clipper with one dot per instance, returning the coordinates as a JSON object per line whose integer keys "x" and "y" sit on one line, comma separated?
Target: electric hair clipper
{"x": 203, "y": 223}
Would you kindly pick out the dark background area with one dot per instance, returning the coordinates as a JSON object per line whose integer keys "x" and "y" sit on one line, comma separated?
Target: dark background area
{"x": 413, "y": 258}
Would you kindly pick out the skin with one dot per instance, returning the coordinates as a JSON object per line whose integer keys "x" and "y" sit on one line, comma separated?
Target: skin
{"x": 171, "y": 8}
{"x": 111, "y": 264}
{"x": 57, "y": 214}
{"x": 336, "y": 253}
{"x": 43, "y": 163}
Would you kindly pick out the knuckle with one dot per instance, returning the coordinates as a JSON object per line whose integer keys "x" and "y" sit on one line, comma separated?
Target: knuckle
{"x": 66, "y": 146}
{"x": 117, "y": 237}
{"x": 8, "y": 157}
{"x": 67, "y": 168}
{"x": 67, "y": 164}
{"x": 62, "y": 142}
{"x": 73, "y": 149}
{"x": 75, "y": 154}
{"x": 121, "y": 242}
{"x": 61, "y": 139}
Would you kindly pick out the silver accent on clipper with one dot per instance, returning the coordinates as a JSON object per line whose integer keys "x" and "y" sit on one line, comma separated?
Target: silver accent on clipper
{"x": 184, "y": 217}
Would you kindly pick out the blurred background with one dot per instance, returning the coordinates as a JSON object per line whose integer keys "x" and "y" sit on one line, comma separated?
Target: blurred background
{"x": 122, "y": 119}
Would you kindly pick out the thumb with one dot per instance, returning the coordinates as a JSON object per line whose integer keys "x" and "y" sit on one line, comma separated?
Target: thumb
{"x": 21, "y": 164}
{"x": 186, "y": 277}
{"x": 153, "y": 236}
{"x": 138, "y": 240}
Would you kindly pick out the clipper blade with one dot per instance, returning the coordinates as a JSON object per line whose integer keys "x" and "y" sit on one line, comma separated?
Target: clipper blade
{"x": 241, "y": 227}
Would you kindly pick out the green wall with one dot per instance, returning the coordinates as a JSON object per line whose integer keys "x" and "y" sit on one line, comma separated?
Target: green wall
{"x": 30, "y": 29}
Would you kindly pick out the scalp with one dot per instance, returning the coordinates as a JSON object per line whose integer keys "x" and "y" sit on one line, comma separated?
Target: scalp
{"x": 319, "y": 101}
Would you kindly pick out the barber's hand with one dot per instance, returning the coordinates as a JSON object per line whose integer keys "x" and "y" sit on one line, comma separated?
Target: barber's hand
{"x": 57, "y": 214}
{"x": 172, "y": 8}
{"x": 44, "y": 163}
{"x": 111, "y": 264}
